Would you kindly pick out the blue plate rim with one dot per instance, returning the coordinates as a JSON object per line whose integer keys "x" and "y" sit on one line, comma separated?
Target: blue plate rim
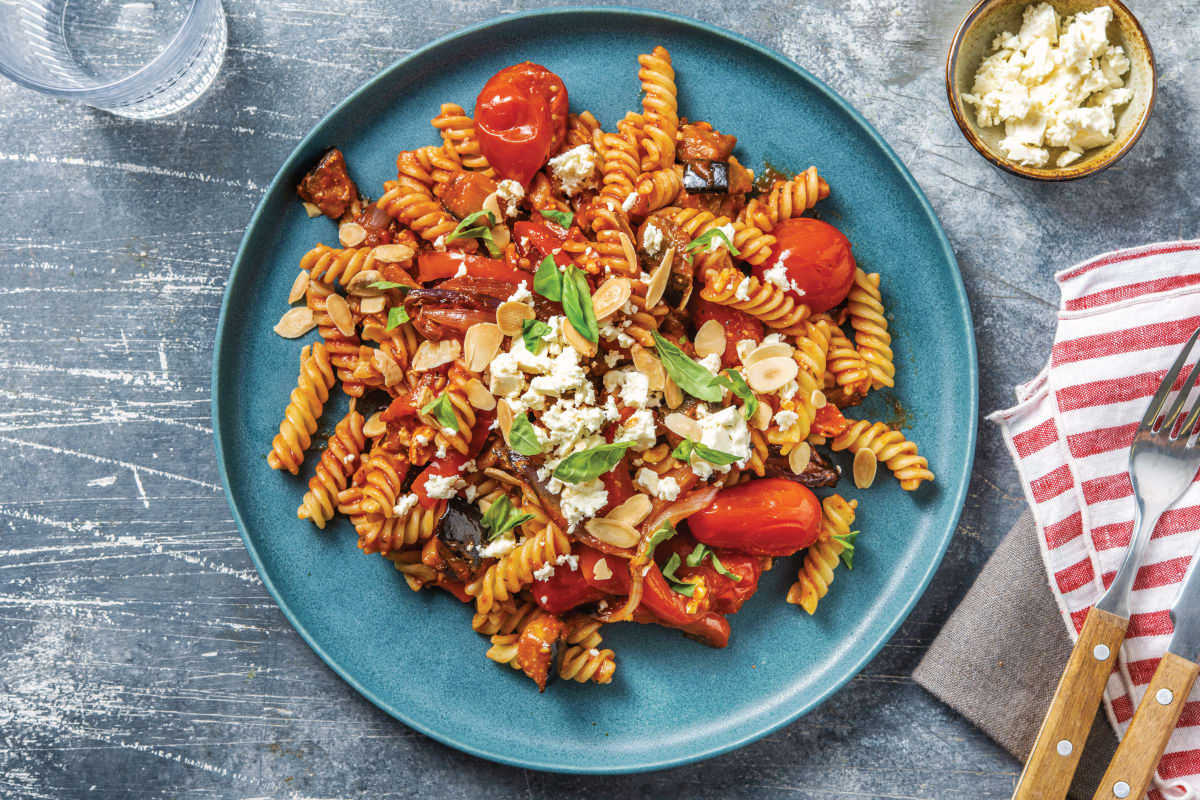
{"x": 960, "y": 491}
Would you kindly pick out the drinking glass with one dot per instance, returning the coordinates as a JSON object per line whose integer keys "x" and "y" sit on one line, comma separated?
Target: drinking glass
{"x": 136, "y": 58}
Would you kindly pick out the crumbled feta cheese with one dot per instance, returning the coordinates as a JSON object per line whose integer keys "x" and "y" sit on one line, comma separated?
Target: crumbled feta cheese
{"x": 567, "y": 423}
{"x": 471, "y": 492}
{"x": 505, "y": 378}
{"x": 1052, "y": 85}
{"x": 662, "y": 488}
{"x": 711, "y": 362}
{"x": 652, "y": 240}
{"x": 629, "y": 202}
{"x": 612, "y": 357}
{"x": 511, "y": 193}
{"x": 580, "y": 501}
{"x": 502, "y": 545}
{"x": 742, "y": 292}
{"x": 462, "y": 270}
{"x": 745, "y": 347}
{"x": 575, "y": 169}
{"x": 726, "y": 431}
{"x": 544, "y": 573}
{"x": 785, "y": 419}
{"x": 439, "y": 243}
{"x": 788, "y": 390}
{"x": 640, "y": 429}
{"x": 778, "y": 275}
{"x": 443, "y": 487}
{"x": 521, "y": 295}
{"x": 565, "y": 374}
{"x": 421, "y": 439}
{"x": 404, "y": 505}
{"x": 569, "y": 559}
{"x": 716, "y": 242}
{"x": 441, "y": 450}
{"x": 632, "y": 387}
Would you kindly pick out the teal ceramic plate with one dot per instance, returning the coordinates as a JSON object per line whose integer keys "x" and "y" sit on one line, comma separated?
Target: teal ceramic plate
{"x": 673, "y": 700}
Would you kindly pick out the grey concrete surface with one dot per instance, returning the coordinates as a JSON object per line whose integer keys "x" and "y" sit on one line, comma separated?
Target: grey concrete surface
{"x": 140, "y": 656}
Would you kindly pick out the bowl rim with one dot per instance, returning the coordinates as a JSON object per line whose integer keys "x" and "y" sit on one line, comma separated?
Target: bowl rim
{"x": 1058, "y": 174}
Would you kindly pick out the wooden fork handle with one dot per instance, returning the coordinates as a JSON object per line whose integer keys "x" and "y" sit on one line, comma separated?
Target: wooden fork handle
{"x": 1151, "y": 728}
{"x": 1064, "y": 731}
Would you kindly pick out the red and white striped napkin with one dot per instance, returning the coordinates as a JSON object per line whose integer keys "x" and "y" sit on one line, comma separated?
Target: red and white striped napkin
{"x": 1121, "y": 322}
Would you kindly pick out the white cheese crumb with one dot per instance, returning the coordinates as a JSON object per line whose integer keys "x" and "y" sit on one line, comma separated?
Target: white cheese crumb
{"x": 743, "y": 289}
{"x": 521, "y": 295}
{"x": 785, "y": 419}
{"x": 640, "y": 429}
{"x": 629, "y": 202}
{"x": 511, "y": 193}
{"x": 662, "y": 488}
{"x": 652, "y": 241}
{"x": 405, "y": 505}
{"x": 575, "y": 169}
{"x": 582, "y": 501}
{"x": 443, "y": 487}
{"x": 462, "y": 270}
{"x": 544, "y": 572}
{"x": 716, "y": 242}
{"x": 502, "y": 545}
{"x": 570, "y": 559}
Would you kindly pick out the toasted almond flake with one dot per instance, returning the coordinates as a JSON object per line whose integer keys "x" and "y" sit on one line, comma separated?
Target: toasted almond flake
{"x": 372, "y": 305}
{"x": 683, "y": 425}
{"x": 500, "y": 236}
{"x": 816, "y": 438}
{"x": 710, "y": 339}
{"x": 312, "y": 209}
{"x": 511, "y": 316}
{"x": 576, "y": 339}
{"x": 392, "y": 374}
{"x": 502, "y": 476}
{"x": 360, "y": 284}
{"x": 479, "y": 396}
{"x": 600, "y": 570}
{"x": 374, "y": 332}
{"x": 431, "y": 355}
{"x": 770, "y": 374}
{"x": 630, "y": 253}
{"x": 865, "y": 465}
{"x": 658, "y": 283}
{"x": 299, "y": 286}
{"x": 481, "y": 344}
{"x": 762, "y": 416}
{"x": 339, "y": 312}
{"x": 295, "y": 322}
{"x": 765, "y": 351}
{"x": 611, "y": 295}
{"x": 648, "y": 364}
{"x": 374, "y": 426}
{"x": 351, "y": 234}
{"x": 611, "y": 531}
{"x": 799, "y": 457}
{"x": 392, "y": 253}
{"x": 632, "y": 511}
{"x": 492, "y": 203}
{"x": 818, "y": 399}
{"x": 504, "y": 417}
{"x": 672, "y": 393}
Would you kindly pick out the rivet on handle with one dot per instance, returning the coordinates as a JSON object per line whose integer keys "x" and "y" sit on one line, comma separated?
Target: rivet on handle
{"x": 1101, "y": 652}
{"x": 1065, "y": 747}
{"x": 1120, "y": 789}
{"x": 1164, "y": 697}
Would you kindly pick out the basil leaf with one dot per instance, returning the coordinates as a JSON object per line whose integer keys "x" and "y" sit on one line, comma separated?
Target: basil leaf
{"x": 388, "y": 285}
{"x": 720, "y": 568}
{"x": 577, "y": 304}
{"x": 562, "y": 218}
{"x": 705, "y": 240}
{"x": 678, "y": 586}
{"x": 523, "y": 437}
{"x": 441, "y": 409}
{"x": 532, "y": 332}
{"x": 501, "y": 517}
{"x": 847, "y": 542}
{"x": 697, "y": 555}
{"x": 687, "y": 448}
{"x": 588, "y": 464}
{"x": 548, "y": 281}
{"x": 737, "y": 384}
{"x": 396, "y": 316}
{"x": 687, "y": 374}
{"x": 465, "y": 231}
{"x": 665, "y": 531}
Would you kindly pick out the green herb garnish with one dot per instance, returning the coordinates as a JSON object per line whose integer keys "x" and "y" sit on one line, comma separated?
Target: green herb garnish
{"x": 548, "y": 281}
{"x": 561, "y": 218}
{"x": 665, "y": 531}
{"x": 702, "y": 551}
{"x": 501, "y": 517}
{"x": 481, "y": 232}
{"x": 705, "y": 240}
{"x": 396, "y": 316}
{"x": 687, "y": 447}
{"x": 523, "y": 437}
{"x": 577, "y": 304}
{"x": 846, "y": 540}
{"x": 687, "y": 374}
{"x": 441, "y": 409}
{"x": 737, "y": 384}
{"x": 388, "y": 285}
{"x": 588, "y": 464}
{"x": 680, "y": 587}
{"x": 533, "y": 331}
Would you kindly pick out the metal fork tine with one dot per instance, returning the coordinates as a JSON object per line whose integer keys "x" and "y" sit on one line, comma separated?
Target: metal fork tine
{"x": 1172, "y": 416}
{"x": 1164, "y": 390}
{"x": 1188, "y": 424}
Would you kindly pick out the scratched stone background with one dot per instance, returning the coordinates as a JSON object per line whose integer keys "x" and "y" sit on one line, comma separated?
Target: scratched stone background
{"x": 140, "y": 656}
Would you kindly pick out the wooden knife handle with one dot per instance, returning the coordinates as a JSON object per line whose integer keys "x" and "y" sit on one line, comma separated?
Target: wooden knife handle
{"x": 1059, "y": 744}
{"x": 1152, "y": 726}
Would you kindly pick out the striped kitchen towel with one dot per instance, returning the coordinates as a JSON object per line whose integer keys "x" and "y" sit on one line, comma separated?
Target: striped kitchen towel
{"x": 1121, "y": 321}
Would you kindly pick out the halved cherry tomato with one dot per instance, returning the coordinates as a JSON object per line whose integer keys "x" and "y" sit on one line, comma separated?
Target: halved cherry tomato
{"x": 829, "y": 421}
{"x": 738, "y": 326}
{"x": 536, "y": 239}
{"x": 452, "y": 462}
{"x": 565, "y": 589}
{"x": 615, "y": 570}
{"x": 817, "y": 259}
{"x": 724, "y": 593}
{"x": 434, "y": 265}
{"x": 619, "y": 486}
{"x": 766, "y": 517}
{"x": 520, "y": 119}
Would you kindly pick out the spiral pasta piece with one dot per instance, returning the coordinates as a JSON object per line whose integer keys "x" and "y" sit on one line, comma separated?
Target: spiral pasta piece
{"x": 583, "y": 664}
{"x": 820, "y": 560}
{"x": 660, "y": 107}
{"x": 758, "y": 452}
{"x": 871, "y": 337}
{"x": 344, "y": 352}
{"x": 754, "y": 246}
{"x": 513, "y": 571}
{"x": 764, "y": 301}
{"x": 581, "y": 128}
{"x": 382, "y": 480}
{"x": 384, "y": 535}
{"x": 620, "y": 170}
{"x": 337, "y": 464}
{"x": 409, "y": 199}
{"x": 464, "y": 413}
{"x": 658, "y": 189}
{"x": 811, "y": 348}
{"x": 890, "y": 446}
{"x": 846, "y": 364}
{"x": 459, "y": 130}
{"x": 303, "y": 409}
{"x": 503, "y": 618}
{"x": 785, "y": 200}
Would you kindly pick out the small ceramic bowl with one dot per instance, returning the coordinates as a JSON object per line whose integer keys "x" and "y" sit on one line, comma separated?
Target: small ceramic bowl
{"x": 973, "y": 42}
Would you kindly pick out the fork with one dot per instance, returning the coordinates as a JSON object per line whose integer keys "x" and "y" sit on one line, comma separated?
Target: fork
{"x": 1162, "y": 464}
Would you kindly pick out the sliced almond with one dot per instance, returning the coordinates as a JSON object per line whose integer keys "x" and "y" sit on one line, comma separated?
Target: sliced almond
{"x": 658, "y": 283}
{"x": 710, "y": 339}
{"x": 611, "y": 295}
{"x": 492, "y": 203}
{"x": 799, "y": 457}
{"x": 339, "y": 312}
{"x": 392, "y": 253}
{"x": 576, "y": 339}
{"x": 770, "y": 374}
{"x": 312, "y": 209}
{"x": 648, "y": 364}
{"x": 372, "y": 305}
{"x": 765, "y": 351}
{"x": 632, "y": 511}
{"x": 816, "y": 438}
{"x": 614, "y": 532}
{"x": 683, "y": 425}
{"x": 818, "y": 399}
{"x": 387, "y": 366}
{"x": 351, "y": 234}
{"x": 431, "y": 355}
{"x": 479, "y": 396}
{"x": 299, "y": 286}
{"x": 374, "y": 426}
{"x": 374, "y": 332}
{"x": 762, "y": 416}
{"x": 360, "y": 284}
{"x": 500, "y": 236}
{"x": 865, "y": 465}
{"x": 601, "y": 570}
{"x": 630, "y": 253}
{"x": 504, "y": 418}
{"x": 481, "y": 344}
{"x": 295, "y": 322}
{"x": 672, "y": 393}
{"x": 511, "y": 316}
{"x": 502, "y": 476}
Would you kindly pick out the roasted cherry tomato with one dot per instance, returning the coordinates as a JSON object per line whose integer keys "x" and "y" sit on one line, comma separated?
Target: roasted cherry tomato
{"x": 765, "y": 517}
{"x": 619, "y": 486}
{"x": 829, "y": 421}
{"x": 520, "y": 119}
{"x": 537, "y": 240}
{"x": 565, "y": 589}
{"x": 725, "y": 593}
{"x": 738, "y": 326}
{"x": 433, "y": 265}
{"x": 610, "y": 577}
{"x": 817, "y": 259}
